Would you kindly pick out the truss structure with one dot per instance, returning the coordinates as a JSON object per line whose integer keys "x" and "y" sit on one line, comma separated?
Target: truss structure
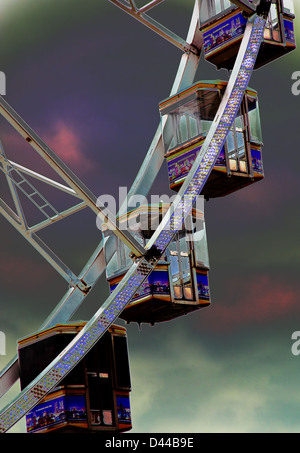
{"x": 144, "y": 260}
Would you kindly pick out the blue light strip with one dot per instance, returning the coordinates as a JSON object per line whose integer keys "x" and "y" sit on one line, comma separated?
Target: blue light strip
{"x": 212, "y": 146}
{"x": 140, "y": 270}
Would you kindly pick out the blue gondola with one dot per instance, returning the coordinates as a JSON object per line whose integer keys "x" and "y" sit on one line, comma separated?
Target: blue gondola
{"x": 93, "y": 397}
{"x": 223, "y": 25}
{"x": 179, "y": 283}
{"x": 190, "y": 114}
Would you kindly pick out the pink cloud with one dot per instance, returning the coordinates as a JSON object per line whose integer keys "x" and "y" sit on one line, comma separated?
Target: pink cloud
{"x": 66, "y": 143}
{"x": 255, "y": 302}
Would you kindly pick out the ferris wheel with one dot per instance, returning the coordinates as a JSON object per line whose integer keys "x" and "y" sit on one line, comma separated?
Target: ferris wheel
{"x": 210, "y": 138}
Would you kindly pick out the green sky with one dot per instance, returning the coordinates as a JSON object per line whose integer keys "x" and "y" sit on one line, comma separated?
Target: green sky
{"x": 87, "y": 68}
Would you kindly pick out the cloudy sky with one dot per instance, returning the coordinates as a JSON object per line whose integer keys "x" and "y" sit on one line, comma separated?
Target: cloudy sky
{"x": 88, "y": 79}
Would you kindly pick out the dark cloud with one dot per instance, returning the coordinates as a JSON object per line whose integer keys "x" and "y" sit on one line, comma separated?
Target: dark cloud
{"x": 89, "y": 79}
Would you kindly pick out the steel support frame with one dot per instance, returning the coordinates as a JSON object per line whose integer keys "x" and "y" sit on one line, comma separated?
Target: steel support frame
{"x": 139, "y": 271}
{"x": 68, "y": 176}
{"x": 140, "y": 14}
{"x": 249, "y": 8}
{"x": 19, "y": 221}
{"x": 145, "y": 178}
{"x": 185, "y": 76}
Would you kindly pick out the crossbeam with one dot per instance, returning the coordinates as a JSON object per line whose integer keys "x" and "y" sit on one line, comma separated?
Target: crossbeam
{"x": 140, "y": 14}
{"x": 68, "y": 176}
{"x": 95, "y": 267}
{"x": 141, "y": 268}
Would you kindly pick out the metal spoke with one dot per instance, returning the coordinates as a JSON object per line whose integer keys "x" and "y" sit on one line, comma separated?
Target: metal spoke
{"x": 139, "y": 271}
{"x": 147, "y": 174}
{"x": 184, "y": 77}
{"x": 68, "y": 176}
{"x": 139, "y": 14}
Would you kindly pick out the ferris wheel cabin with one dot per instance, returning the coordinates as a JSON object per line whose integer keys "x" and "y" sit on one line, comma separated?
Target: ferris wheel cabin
{"x": 179, "y": 283}
{"x": 191, "y": 113}
{"x": 223, "y": 25}
{"x": 93, "y": 397}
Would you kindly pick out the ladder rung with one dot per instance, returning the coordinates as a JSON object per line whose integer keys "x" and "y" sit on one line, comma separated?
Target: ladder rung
{"x": 31, "y": 194}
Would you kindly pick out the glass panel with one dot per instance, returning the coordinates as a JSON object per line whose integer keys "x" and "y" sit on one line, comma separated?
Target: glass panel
{"x": 189, "y": 121}
{"x": 272, "y": 29}
{"x": 174, "y": 140}
{"x": 236, "y": 146}
{"x": 188, "y": 292}
{"x": 95, "y": 417}
{"x": 194, "y": 126}
{"x": 183, "y": 130}
{"x": 174, "y": 261}
{"x": 107, "y": 417}
{"x": 94, "y": 397}
{"x": 105, "y": 386}
{"x": 230, "y": 142}
{"x": 176, "y": 281}
{"x": 240, "y": 138}
{"x": 268, "y": 34}
{"x": 113, "y": 266}
{"x": 121, "y": 362}
{"x": 192, "y": 118}
{"x": 218, "y": 6}
{"x": 181, "y": 270}
{"x": 221, "y": 5}
{"x": 176, "y": 128}
{"x": 185, "y": 266}
{"x": 288, "y": 6}
{"x": 227, "y": 4}
{"x": 126, "y": 261}
{"x": 243, "y": 165}
{"x": 206, "y": 11}
{"x": 184, "y": 260}
{"x": 205, "y": 126}
{"x": 233, "y": 164}
{"x": 273, "y": 15}
{"x": 120, "y": 260}
{"x": 175, "y": 270}
{"x": 210, "y": 8}
{"x": 174, "y": 266}
{"x": 98, "y": 365}
{"x": 186, "y": 270}
{"x": 177, "y": 292}
{"x": 254, "y": 120}
{"x": 209, "y": 101}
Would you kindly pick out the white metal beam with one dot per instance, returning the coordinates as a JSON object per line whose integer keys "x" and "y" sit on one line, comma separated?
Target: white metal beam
{"x": 65, "y": 309}
{"x": 140, "y": 270}
{"x": 96, "y": 265}
{"x": 42, "y": 178}
{"x": 184, "y": 77}
{"x": 68, "y": 176}
{"x": 139, "y": 14}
